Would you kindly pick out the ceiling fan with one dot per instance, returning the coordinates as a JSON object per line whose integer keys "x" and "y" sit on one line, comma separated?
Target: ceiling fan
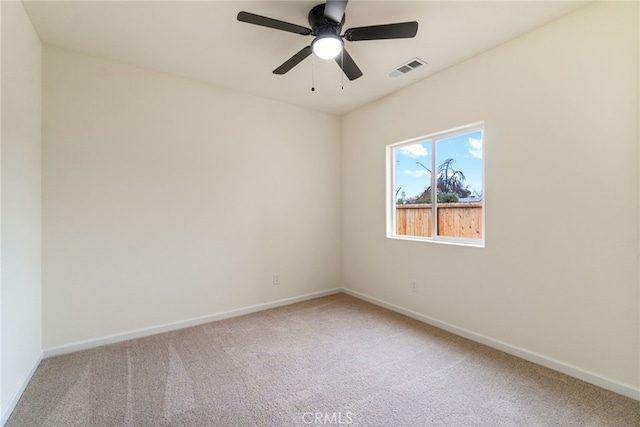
{"x": 326, "y": 21}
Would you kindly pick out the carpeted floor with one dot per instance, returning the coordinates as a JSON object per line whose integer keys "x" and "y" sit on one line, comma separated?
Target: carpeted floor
{"x": 331, "y": 361}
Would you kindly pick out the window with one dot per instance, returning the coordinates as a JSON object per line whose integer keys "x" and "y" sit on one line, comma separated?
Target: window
{"x": 435, "y": 187}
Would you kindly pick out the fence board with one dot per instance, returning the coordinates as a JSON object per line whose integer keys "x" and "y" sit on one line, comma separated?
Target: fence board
{"x": 454, "y": 220}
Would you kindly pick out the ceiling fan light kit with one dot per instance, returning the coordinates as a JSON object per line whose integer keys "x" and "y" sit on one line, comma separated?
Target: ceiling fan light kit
{"x": 327, "y": 47}
{"x": 326, "y": 21}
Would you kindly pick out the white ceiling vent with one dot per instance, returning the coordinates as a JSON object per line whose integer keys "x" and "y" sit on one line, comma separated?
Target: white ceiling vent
{"x": 407, "y": 67}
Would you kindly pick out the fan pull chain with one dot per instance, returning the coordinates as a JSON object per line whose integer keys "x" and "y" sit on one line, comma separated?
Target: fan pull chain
{"x": 313, "y": 85}
{"x": 342, "y": 62}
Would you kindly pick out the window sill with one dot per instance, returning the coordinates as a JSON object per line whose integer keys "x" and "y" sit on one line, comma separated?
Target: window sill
{"x": 441, "y": 240}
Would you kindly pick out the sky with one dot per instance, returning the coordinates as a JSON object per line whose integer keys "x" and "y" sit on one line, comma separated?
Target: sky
{"x": 465, "y": 149}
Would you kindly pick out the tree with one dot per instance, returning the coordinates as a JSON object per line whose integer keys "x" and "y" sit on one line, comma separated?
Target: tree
{"x": 450, "y": 185}
{"x": 451, "y": 180}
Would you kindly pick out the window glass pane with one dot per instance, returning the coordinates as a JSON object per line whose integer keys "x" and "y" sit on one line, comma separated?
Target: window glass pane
{"x": 413, "y": 164}
{"x": 459, "y": 186}
{"x": 436, "y": 187}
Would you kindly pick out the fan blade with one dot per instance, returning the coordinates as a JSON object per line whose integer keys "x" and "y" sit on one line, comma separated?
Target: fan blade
{"x": 349, "y": 66}
{"x": 263, "y": 21}
{"x": 401, "y": 30}
{"x": 293, "y": 61}
{"x": 334, "y": 10}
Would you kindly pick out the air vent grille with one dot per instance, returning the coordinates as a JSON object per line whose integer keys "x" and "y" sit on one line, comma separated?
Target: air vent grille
{"x": 407, "y": 67}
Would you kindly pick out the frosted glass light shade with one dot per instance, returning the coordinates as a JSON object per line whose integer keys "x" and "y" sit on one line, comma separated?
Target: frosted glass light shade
{"x": 327, "y": 47}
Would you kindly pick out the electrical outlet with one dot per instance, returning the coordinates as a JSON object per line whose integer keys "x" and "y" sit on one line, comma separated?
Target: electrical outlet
{"x": 414, "y": 285}
{"x": 276, "y": 279}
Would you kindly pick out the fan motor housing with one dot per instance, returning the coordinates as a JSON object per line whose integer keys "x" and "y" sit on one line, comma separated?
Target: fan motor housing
{"x": 321, "y": 25}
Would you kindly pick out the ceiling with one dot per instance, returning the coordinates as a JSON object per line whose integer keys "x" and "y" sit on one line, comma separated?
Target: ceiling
{"x": 202, "y": 40}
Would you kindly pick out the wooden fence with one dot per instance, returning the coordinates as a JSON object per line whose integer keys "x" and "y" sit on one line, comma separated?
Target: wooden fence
{"x": 454, "y": 220}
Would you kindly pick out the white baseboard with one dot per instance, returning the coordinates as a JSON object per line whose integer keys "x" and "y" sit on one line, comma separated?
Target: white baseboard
{"x": 139, "y": 333}
{"x": 557, "y": 365}
{"x": 18, "y": 393}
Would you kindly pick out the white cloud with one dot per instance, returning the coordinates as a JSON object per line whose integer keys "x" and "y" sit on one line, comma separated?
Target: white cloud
{"x": 475, "y": 148}
{"x": 416, "y": 173}
{"x": 415, "y": 150}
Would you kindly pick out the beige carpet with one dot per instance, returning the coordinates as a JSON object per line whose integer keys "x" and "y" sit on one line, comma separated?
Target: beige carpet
{"x": 330, "y": 361}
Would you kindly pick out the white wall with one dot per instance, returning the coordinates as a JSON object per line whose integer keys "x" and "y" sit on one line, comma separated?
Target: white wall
{"x": 559, "y": 274}
{"x": 165, "y": 199}
{"x": 21, "y": 203}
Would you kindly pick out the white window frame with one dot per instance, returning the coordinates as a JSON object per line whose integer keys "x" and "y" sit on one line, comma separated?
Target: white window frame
{"x": 391, "y": 199}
